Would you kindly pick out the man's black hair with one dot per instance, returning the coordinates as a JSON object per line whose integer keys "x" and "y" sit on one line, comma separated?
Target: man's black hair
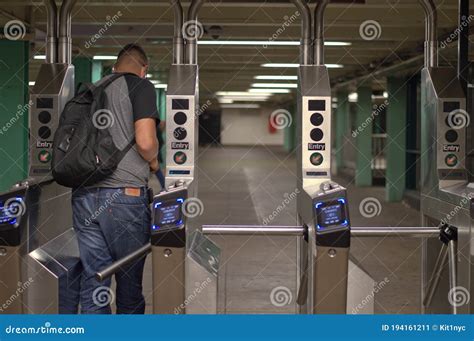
{"x": 133, "y": 50}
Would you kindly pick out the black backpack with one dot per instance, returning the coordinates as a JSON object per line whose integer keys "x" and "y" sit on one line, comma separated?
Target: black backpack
{"x": 83, "y": 149}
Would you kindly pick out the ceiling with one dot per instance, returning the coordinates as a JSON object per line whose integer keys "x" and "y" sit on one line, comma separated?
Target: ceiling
{"x": 399, "y": 35}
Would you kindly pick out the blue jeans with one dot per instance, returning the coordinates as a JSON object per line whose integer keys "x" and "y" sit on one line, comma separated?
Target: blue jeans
{"x": 110, "y": 225}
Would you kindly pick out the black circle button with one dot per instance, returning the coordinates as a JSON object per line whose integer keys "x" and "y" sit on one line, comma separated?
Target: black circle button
{"x": 317, "y": 134}
{"x": 180, "y": 118}
{"x": 317, "y": 119}
{"x": 44, "y": 117}
{"x": 451, "y": 136}
{"x": 180, "y": 133}
{"x": 44, "y": 132}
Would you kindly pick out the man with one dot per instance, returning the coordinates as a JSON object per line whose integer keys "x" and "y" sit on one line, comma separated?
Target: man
{"x": 112, "y": 218}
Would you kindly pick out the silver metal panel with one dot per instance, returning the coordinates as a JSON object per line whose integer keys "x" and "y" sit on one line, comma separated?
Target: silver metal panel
{"x": 11, "y": 294}
{"x": 202, "y": 267}
{"x": 361, "y": 292}
{"x": 446, "y": 195}
{"x": 54, "y": 86}
{"x": 55, "y": 271}
{"x": 168, "y": 280}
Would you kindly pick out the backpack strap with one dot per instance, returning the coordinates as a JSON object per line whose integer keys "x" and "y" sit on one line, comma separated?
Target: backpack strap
{"x": 127, "y": 148}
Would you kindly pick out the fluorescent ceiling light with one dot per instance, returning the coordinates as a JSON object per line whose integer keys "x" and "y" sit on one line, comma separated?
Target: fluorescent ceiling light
{"x": 149, "y": 75}
{"x": 239, "y": 93}
{"x": 246, "y": 99}
{"x": 240, "y": 106}
{"x": 274, "y": 85}
{"x": 266, "y": 42}
{"x": 288, "y": 65}
{"x": 161, "y": 86}
{"x": 104, "y": 57}
{"x": 154, "y": 81}
{"x": 278, "y": 78}
{"x": 31, "y": 83}
{"x": 40, "y": 57}
{"x": 270, "y": 91}
{"x": 353, "y": 97}
{"x": 225, "y": 100}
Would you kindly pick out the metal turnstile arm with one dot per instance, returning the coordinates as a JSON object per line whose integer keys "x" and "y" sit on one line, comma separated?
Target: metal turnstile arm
{"x": 114, "y": 267}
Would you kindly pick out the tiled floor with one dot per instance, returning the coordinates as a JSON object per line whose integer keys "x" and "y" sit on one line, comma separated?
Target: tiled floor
{"x": 245, "y": 186}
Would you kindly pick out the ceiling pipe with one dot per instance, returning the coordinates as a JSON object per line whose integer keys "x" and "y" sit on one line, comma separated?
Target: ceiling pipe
{"x": 319, "y": 31}
{"x": 306, "y": 50}
{"x": 178, "y": 41}
{"x": 65, "y": 39}
{"x": 51, "y": 31}
{"x": 193, "y": 30}
{"x": 431, "y": 35}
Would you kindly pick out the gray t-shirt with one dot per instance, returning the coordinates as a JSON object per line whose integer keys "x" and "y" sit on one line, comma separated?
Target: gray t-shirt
{"x": 129, "y": 99}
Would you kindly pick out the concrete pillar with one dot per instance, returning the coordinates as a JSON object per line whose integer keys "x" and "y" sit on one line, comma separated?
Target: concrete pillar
{"x": 340, "y": 126}
{"x": 82, "y": 70}
{"x": 96, "y": 70}
{"x": 161, "y": 104}
{"x": 14, "y": 110}
{"x": 395, "y": 149}
{"x": 87, "y": 70}
{"x": 364, "y": 121}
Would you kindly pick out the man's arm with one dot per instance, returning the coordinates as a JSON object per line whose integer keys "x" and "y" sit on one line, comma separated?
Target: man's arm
{"x": 145, "y": 138}
{"x": 146, "y": 117}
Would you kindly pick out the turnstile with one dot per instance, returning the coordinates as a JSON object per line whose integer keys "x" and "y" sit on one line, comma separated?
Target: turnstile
{"x": 39, "y": 257}
{"x": 446, "y": 195}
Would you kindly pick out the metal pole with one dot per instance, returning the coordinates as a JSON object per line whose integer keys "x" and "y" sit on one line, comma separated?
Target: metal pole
{"x": 319, "y": 32}
{"x": 306, "y": 50}
{"x": 113, "y": 268}
{"x": 452, "y": 273}
{"x": 436, "y": 275}
{"x": 65, "y": 40}
{"x": 463, "y": 44}
{"x": 356, "y": 231}
{"x": 51, "y": 31}
{"x": 178, "y": 41}
{"x": 191, "y": 42}
{"x": 431, "y": 35}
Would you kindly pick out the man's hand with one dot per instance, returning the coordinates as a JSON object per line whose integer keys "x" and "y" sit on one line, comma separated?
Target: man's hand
{"x": 154, "y": 165}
